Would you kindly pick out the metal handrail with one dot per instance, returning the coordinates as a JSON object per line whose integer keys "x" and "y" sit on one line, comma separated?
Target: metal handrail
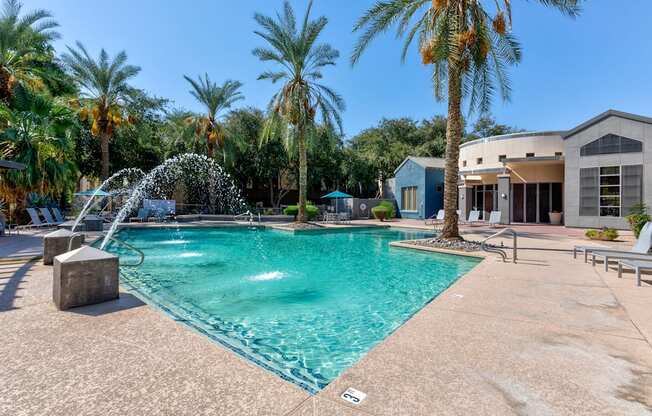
{"x": 129, "y": 246}
{"x": 502, "y": 253}
{"x": 246, "y": 214}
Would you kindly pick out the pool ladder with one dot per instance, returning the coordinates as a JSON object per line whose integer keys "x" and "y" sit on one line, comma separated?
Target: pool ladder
{"x": 249, "y": 215}
{"x": 503, "y": 254}
{"x": 120, "y": 242}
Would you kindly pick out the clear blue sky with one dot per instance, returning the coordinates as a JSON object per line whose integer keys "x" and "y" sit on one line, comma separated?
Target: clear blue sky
{"x": 571, "y": 69}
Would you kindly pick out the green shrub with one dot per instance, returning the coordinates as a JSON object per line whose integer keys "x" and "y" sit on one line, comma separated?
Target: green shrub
{"x": 390, "y": 208}
{"x": 637, "y": 218}
{"x": 380, "y": 212}
{"x": 311, "y": 211}
{"x": 606, "y": 234}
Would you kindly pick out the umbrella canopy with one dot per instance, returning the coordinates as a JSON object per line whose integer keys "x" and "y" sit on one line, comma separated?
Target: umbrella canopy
{"x": 337, "y": 194}
{"x": 91, "y": 192}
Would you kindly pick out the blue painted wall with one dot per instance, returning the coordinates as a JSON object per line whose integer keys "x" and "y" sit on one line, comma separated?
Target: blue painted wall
{"x": 429, "y": 200}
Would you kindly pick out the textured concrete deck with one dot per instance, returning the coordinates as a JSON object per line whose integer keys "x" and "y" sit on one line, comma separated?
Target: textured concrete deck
{"x": 547, "y": 336}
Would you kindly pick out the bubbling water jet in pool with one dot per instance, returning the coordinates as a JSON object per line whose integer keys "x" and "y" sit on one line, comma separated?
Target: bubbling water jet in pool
{"x": 203, "y": 178}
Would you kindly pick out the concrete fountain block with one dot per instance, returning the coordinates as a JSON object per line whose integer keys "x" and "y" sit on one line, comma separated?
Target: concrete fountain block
{"x": 84, "y": 276}
{"x": 57, "y": 242}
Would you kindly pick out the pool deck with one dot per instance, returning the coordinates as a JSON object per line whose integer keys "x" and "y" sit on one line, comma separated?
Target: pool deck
{"x": 546, "y": 336}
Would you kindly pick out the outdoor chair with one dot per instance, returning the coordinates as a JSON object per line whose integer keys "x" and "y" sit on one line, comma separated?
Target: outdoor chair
{"x": 637, "y": 265}
{"x": 434, "y": 219}
{"x": 48, "y": 217}
{"x": 143, "y": 214}
{"x": 57, "y": 214}
{"x": 642, "y": 246}
{"x": 494, "y": 218}
{"x": 474, "y": 217}
{"x": 35, "y": 219}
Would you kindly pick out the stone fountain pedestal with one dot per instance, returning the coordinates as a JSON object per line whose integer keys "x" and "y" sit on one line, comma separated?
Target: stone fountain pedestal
{"x": 57, "y": 242}
{"x": 84, "y": 276}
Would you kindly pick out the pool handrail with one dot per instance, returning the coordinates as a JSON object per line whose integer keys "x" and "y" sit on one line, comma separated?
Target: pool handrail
{"x": 503, "y": 254}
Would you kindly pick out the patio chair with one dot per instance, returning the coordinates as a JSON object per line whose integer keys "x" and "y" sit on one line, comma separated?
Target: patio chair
{"x": 637, "y": 265}
{"x": 35, "y": 219}
{"x": 57, "y": 214}
{"x": 48, "y": 217}
{"x": 642, "y": 246}
{"x": 143, "y": 214}
{"x": 494, "y": 218}
{"x": 435, "y": 218}
{"x": 474, "y": 217}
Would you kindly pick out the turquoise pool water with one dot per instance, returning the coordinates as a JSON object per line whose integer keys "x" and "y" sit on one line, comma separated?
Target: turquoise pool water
{"x": 305, "y": 306}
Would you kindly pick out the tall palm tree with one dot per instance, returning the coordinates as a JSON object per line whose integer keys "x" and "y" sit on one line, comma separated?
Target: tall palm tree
{"x": 469, "y": 49}
{"x": 25, "y": 41}
{"x": 300, "y": 60}
{"x": 215, "y": 100}
{"x": 105, "y": 90}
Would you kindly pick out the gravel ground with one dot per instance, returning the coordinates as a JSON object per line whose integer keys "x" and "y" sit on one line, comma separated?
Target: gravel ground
{"x": 460, "y": 245}
{"x": 302, "y": 226}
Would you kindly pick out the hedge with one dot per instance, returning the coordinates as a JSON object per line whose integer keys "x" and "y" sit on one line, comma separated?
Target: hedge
{"x": 311, "y": 211}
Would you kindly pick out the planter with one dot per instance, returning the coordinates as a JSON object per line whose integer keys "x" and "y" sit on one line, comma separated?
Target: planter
{"x": 555, "y": 218}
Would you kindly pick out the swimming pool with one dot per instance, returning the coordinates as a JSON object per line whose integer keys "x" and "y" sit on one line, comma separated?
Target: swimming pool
{"x": 305, "y": 305}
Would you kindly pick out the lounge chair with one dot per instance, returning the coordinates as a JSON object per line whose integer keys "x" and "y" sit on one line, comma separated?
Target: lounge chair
{"x": 642, "y": 246}
{"x": 494, "y": 218}
{"x": 474, "y": 217}
{"x": 35, "y": 219}
{"x": 57, "y": 214}
{"x": 637, "y": 265}
{"x": 143, "y": 214}
{"x": 432, "y": 220}
{"x": 48, "y": 217}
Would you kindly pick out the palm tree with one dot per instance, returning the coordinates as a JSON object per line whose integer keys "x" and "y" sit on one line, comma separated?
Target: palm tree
{"x": 24, "y": 44}
{"x": 470, "y": 50}
{"x": 215, "y": 100}
{"x": 37, "y": 136}
{"x": 105, "y": 91}
{"x": 300, "y": 61}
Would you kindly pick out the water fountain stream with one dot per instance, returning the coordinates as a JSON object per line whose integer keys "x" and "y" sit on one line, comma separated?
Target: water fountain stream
{"x": 203, "y": 179}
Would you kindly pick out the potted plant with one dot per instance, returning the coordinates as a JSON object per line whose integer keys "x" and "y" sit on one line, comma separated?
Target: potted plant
{"x": 555, "y": 217}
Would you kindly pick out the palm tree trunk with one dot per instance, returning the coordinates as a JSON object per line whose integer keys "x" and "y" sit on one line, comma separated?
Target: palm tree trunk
{"x": 453, "y": 139}
{"x": 210, "y": 150}
{"x": 303, "y": 176}
{"x": 104, "y": 148}
{"x": 5, "y": 89}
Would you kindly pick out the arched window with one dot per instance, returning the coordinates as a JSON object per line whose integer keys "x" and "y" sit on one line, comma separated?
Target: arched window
{"x": 611, "y": 143}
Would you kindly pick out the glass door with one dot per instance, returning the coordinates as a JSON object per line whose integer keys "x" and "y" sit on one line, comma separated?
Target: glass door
{"x": 518, "y": 200}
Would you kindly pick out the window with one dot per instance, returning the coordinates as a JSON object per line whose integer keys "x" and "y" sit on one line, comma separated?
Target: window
{"x": 464, "y": 163}
{"x": 610, "y": 144}
{"x": 559, "y": 154}
{"x": 529, "y": 155}
{"x": 478, "y": 161}
{"x": 589, "y": 191}
{"x": 610, "y": 191}
{"x": 409, "y": 198}
{"x": 502, "y": 157}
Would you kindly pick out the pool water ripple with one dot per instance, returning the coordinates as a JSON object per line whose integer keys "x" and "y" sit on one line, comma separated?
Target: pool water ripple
{"x": 305, "y": 306}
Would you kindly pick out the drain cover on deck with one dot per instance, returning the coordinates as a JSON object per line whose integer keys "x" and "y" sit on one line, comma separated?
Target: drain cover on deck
{"x": 354, "y": 396}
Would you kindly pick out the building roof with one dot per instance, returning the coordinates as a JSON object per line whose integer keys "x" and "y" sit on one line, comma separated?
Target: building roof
{"x": 424, "y": 162}
{"x": 8, "y": 164}
{"x": 554, "y": 133}
{"x": 605, "y": 115}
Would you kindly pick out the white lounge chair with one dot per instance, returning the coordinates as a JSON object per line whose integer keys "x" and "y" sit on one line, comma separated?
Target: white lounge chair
{"x": 48, "y": 217}
{"x": 642, "y": 246}
{"x": 474, "y": 217}
{"x": 494, "y": 218}
{"x": 637, "y": 265}
{"x": 57, "y": 214}
{"x": 35, "y": 219}
{"x": 435, "y": 219}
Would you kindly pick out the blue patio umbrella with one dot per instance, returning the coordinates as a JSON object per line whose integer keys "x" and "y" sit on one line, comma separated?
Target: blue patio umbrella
{"x": 337, "y": 195}
{"x": 91, "y": 192}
